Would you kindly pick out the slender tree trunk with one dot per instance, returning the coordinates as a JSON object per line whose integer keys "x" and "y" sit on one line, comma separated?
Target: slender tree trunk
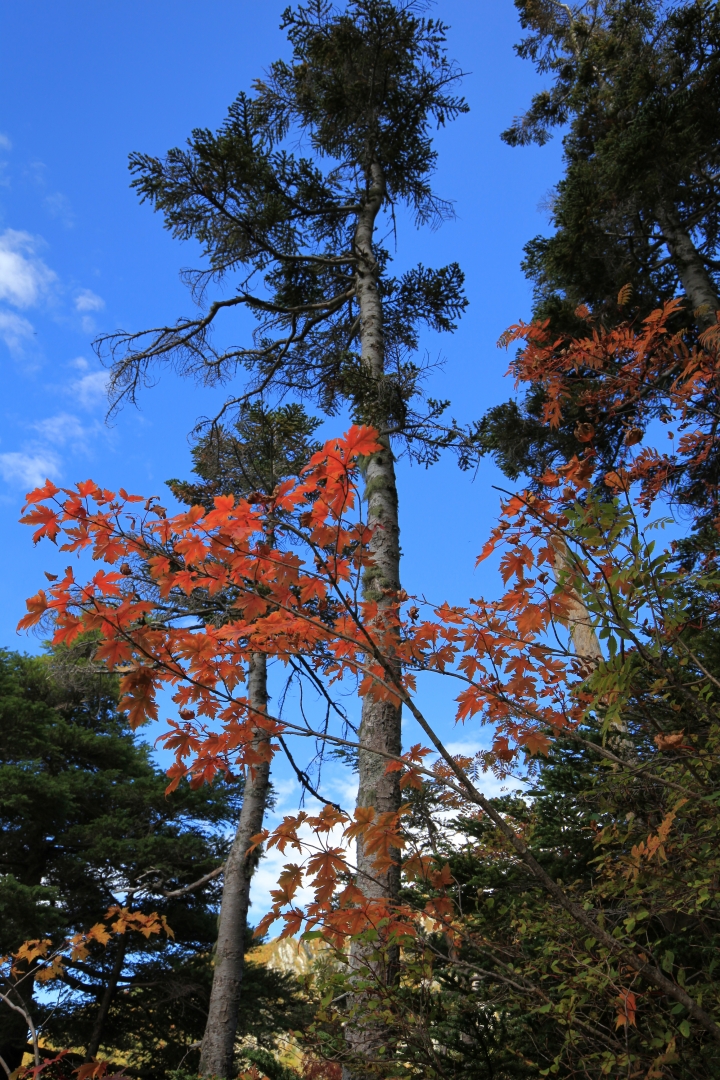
{"x": 587, "y": 646}
{"x": 693, "y": 274}
{"x": 579, "y": 623}
{"x": 380, "y": 726}
{"x": 15, "y": 1033}
{"x": 216, "y": 1058}
{"x": 107, "y": 999}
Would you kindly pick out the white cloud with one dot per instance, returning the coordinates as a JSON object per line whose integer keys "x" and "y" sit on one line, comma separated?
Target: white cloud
{"x": 30, "y": 470}
{"x": 62, "y": 428}
{"x": 91, "y": 389}
{"x": 14, "y": 329}
{"x": 87, "y": 300}
{"x": 5, "y": 143}
{"x": 24, "y": 278}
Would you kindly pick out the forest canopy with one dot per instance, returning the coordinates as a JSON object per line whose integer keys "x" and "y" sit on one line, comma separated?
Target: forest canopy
{"x": 543, "y": 904}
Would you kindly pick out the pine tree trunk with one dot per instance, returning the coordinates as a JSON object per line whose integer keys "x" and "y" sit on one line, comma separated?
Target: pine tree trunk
{"x": 691, "y": 269}
{"x": 380, "y": 726}
{"x": 217, "y": 1055}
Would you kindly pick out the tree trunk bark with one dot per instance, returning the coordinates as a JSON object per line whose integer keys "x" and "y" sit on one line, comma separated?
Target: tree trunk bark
{"x": 693, "y": 274}
{"x": 217, "y": 1054}
{"x": 380, "y": 726}
{"x": 107, "y": 999}
{"x": 587, "y": 646}
{"x": 582, "y": 631}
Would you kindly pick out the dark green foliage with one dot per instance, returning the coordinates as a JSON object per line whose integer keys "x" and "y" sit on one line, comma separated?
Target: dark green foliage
{"x": 84, "y": 818}
{"x": 263, "y": 447}
{"x": 638, "y": 83}
{"x": 492, "y": 1008}
{"x": 363, "y": 89}
{"x": 474, "y": 1013}
{"x": 83, "y": 809}
{"x": 158, "y": 1021}
{"x": 635, "y": 84}
{"x": 518, "y": 439}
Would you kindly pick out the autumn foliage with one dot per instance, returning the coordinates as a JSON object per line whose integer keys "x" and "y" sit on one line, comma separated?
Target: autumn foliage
{"x": 43, "y": 961}
{"x": 183, "y": 600}
{"x": 623, "y": 377}
{"x": 227, "y": 571}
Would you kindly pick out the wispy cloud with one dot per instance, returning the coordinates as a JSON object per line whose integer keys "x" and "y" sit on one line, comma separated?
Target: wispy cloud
{"x": 5, "y": 143}
{"x": 14, "y": 330}
{"x": 28, "y": 470}
{"x": 55, "y": 438}
{"x": 87, "y": 300}
{"x": 24, "y": 278}
{"x": 90, "y": 389}
{"x": 63, "y": 428}
{"x": 58, "y": 206}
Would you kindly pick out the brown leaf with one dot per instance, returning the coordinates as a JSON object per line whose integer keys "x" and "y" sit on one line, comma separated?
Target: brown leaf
{"x": 671, "y": 741}
{"x": 633, "y": 435}
{"x": 585, "y": 432}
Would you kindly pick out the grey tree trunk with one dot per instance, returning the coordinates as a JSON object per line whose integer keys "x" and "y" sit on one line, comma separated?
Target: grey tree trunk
{"x": 587, "y": 647}
{"x": 217, "y": 1054}
{"x": 693, "y": 274}
{"x": 579, "y": 623}
{"x": 380, "y": 726}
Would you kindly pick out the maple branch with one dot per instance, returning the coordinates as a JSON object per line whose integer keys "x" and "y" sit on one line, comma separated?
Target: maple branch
{"x": 305, "y": 779}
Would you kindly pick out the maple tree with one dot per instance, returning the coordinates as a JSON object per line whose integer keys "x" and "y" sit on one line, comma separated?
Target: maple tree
{"x": 622, "y": 379}
{"x": 263, "y": 447}
{"x": 519, "y": 673}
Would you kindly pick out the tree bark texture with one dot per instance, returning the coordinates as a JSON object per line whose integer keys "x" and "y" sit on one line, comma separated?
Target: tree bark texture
{"x": 380, "y": 726}
{"x": 587, "y": 646}
{"x": 217, "y": 1054}
{"x": 691, "y": 269}
{"x": 107, "y": 999}
{"x": 579, "y": 623}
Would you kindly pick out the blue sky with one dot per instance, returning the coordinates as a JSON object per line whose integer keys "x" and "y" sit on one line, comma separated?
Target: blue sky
{"x": 81, "y": 86}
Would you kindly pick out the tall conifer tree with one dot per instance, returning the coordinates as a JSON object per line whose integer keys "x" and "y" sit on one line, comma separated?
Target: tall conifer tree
{"x": 85, "y": 821}
{"x": 636, "y": 85}
{"x": 298, "y": 236}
